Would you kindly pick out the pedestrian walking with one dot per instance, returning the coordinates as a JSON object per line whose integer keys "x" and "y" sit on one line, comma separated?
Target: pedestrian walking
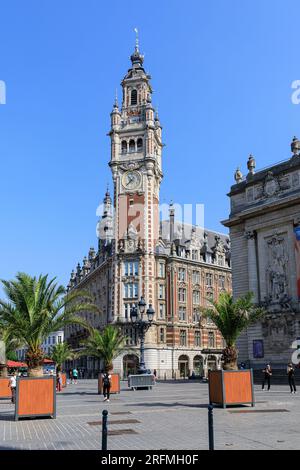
{"x": 291, "y": 377}
{"x": 267, "y": 371}
{"x": 13, "y": 385}
{"x": 75, "y": 375}
{"x": 70, "y": 376}
{"x": 106, "y": 383}
{"x": 58, "y": 381}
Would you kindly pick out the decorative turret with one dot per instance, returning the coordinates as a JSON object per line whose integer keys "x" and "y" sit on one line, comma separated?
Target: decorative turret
{"x": 172, "y": 218}
{"x": 73, "y": 278}
{"x": 251, "y": 164}
{"x": 92, "y": 254}
{"x": 238, "y": 175}
{"x": 86, "y": 266}
{"x": 115, "y": 114}
{"x": 105, "y": 225}
{"x": 295, "y": 147}
{"x": 78, "y": 273}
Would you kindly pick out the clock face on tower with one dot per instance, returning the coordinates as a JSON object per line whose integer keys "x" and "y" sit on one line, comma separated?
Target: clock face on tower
{"x": 131, "y": 179}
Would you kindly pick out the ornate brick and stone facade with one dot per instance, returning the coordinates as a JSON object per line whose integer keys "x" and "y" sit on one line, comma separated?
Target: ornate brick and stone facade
{"x": 175, "y": 267}
{"x": 265, "y": 231}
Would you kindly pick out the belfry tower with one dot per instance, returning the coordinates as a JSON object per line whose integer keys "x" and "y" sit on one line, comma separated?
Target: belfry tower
{"x": 136, "y": 150}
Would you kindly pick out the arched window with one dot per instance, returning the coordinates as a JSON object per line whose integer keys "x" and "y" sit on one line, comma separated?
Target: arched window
{"x": 131, "y": 146}
{"x": 124, "y": 146}
{"x": 133, "y": 97}
{"x": 139, "y": 145}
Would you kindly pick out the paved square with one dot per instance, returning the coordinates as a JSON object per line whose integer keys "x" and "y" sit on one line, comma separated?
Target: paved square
{"x": 171, "y": 416}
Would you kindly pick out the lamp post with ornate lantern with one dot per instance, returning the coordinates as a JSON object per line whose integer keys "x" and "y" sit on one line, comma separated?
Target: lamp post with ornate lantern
{"x": 142, "y": 325}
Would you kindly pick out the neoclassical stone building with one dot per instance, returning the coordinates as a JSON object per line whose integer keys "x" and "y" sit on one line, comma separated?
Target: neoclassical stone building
{"x": 174, "y": 266}
{"x": 264, "y": 228}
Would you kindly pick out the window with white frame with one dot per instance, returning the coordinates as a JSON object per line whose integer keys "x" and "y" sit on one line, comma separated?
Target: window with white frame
{"x": 209, "y": 298}
{"x": 131, "y": 290}
{"x": 222, "y": 282}
{"x": 182, "y": 313}
{"x": 131, "y": 336}
{"x": 196, "y": 297}
{"x": 161, "y": 269}
{"x": 209, "y": 279}
{"x": 161, "y": 291}
{"x": 162, "y": 311}
{"x": 220, "y": 260}
{"x": 131, "y": 268}
{"x": 196, "y": 315}
{"x": 127, "y": 307}
{"x": 197, "y": 338}
{"x": 181, "y": 274}
{"x": 182, "y": 337}
{"x": 211, "y": 339}
{"x": 182, "y": 294}
{"x": 196, "y": 277}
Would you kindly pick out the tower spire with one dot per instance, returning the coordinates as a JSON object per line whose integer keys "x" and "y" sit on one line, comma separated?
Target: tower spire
{"x": 116, "y": 105}
{"x": 136, "y": 40}
{"x": 137, "y": 58}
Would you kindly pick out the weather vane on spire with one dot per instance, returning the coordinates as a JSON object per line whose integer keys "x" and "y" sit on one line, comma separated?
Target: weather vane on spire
{"x": 136, "y": 39}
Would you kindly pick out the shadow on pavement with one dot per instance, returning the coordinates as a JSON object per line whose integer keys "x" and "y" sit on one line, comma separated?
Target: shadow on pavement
{"x": 168, "y": 405}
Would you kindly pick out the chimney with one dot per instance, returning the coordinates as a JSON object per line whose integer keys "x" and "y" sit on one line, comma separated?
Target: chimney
{"x": 172, "y": 217}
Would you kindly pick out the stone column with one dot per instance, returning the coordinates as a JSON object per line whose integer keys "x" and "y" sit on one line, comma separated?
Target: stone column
{"x": 252, "y": 265}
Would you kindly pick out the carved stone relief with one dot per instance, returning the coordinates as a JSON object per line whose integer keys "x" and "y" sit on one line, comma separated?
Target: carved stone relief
{"x": 277, "y": 269}
{"x": 279, "y": 331}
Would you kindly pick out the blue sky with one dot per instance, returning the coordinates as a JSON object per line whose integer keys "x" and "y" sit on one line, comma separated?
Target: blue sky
{"x": 222, "y": 74}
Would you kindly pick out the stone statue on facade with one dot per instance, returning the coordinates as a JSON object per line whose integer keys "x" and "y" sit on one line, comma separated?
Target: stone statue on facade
{"x": 277, "y": 269}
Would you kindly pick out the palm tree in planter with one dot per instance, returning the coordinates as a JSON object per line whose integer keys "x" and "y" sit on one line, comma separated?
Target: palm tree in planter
{"x": 232, "y": 317}
{"x": 106, "y": 345}
{"x": 60, "y": 353}
{"x": 231, "y": 386}
{"x": 35, "y": 307}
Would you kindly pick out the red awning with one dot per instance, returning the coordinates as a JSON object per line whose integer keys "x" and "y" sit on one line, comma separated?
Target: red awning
{"x": 23, "y": 364}
{"x": 48, "y": 361}
{"x": 16, "y": 364}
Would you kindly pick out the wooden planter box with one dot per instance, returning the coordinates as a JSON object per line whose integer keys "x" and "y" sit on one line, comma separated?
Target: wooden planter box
{"x": 231, "y": 387}
{"x": 5, "y": 391}
{"x": 115, "y": 384}
{"x": 64, "y": 379}
{"x": 35, "y": 397}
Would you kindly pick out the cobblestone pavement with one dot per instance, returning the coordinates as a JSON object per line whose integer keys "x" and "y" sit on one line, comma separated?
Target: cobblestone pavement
{"x": 173, "y": 415}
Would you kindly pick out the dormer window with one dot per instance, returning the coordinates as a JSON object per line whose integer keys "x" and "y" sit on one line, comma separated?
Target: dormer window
{"x": 133, "y": 101}
{"x": 131, "y": 146}
{"x": 124, "y": 146}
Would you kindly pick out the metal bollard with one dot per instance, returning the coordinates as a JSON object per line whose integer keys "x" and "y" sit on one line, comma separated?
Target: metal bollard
{"x": 104, "y": 429}
{"x": 211, "y": 427}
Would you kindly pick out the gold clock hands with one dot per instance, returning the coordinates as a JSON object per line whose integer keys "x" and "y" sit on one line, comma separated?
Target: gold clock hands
{"x": 129, "y": 179}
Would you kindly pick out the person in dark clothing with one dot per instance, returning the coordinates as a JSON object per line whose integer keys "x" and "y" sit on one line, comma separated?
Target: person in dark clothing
{"x": 267, "y": 376}
{"x": 291, "y": 377}
{"x": 106, "y": 381}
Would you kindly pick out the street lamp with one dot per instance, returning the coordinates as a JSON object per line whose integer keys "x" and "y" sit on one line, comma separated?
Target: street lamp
{"x": 141, "y": 325}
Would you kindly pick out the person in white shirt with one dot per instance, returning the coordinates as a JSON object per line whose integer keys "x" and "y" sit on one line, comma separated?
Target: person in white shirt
{"x": 106, "y": 381}
{"x": 13, "y": 385}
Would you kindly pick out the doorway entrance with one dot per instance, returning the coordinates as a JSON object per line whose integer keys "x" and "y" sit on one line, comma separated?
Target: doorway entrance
{"x": 130, "y": 365}
{"x": 183, "y": 366}
{"x": 198, "y": 365}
